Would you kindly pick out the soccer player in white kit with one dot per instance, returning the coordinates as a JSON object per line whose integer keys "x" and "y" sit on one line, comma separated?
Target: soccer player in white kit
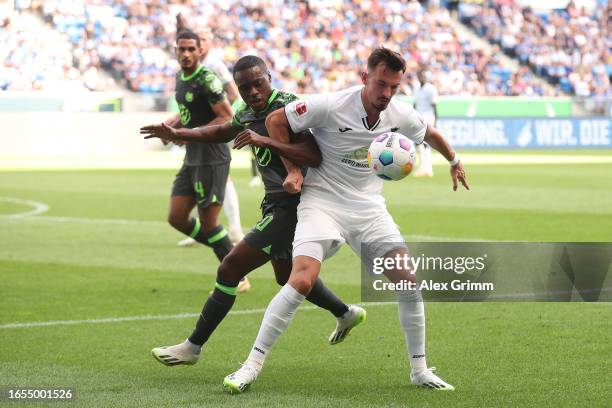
{"x": 425, "y": 100}
{"x": 341, "y": 202}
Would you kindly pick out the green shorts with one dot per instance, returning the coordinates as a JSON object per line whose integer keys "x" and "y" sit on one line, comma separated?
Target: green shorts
{"x": 273, "y": 233}
{"x": 205, "y": 183}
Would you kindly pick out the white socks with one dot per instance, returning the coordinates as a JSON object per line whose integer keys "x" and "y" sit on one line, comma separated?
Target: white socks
{"x": 231, "y": 206}
{"x": 276, "y": 320}
{"x": 412, "y": 318}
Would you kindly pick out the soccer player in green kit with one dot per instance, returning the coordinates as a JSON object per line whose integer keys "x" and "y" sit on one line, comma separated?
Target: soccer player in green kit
{"x": 271, "y": 238}
{"x": 201, "y": 180}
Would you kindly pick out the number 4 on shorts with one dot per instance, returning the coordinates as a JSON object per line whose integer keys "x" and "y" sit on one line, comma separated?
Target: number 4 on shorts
{"x": 199, "y": 188}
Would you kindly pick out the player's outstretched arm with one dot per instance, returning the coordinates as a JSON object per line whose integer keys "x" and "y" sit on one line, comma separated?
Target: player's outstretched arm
{"x": 435, "y": 139}
{"x": 303, "y": 150}
{"x": 219, "y": 130}
{"x": 204, "y": 134}
{"x": 279, "y": 130}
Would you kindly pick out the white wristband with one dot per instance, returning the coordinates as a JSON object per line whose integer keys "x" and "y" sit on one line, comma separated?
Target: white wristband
{"x": 455, "y": 160}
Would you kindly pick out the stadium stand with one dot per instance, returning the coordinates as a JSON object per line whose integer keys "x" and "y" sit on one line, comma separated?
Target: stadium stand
{"x": 318, "y": 46}
{"x": 570, "y": 47}
{"x": 37, "y": 57}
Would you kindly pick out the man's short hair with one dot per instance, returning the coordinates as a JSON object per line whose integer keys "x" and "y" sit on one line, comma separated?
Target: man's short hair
{"x": 392, "y": 59}
{"x": 249, "y": 61}
{"x": 188, "y": 35}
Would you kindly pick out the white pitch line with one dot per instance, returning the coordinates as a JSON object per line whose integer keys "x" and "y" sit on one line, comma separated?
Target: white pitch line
{"x": 39, "y": 207}
{"x": 84, "y": 220}
{"x": 146, "y": 317}
{"x": 119, "y": 221}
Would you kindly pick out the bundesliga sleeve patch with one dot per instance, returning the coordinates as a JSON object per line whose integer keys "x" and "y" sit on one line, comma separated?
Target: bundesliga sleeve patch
{"x": 301, "y": 108}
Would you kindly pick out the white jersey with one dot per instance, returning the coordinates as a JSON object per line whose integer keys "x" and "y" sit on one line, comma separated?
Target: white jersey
{"x": 218, "y": 67}
{"x": 339, "y": 124}
{"x": 425, "y": 98}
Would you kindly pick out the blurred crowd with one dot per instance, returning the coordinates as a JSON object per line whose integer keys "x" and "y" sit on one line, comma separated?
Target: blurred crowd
{"x": 571, "y": 48}
{"x": 321, "y": 45}
{"x": 37, "y": 57}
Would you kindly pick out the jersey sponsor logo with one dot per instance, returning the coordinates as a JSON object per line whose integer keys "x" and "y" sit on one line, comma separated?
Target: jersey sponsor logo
{"x": 189, "y": 97}
{"x": 301, "y": 108}
{"x": 342, "y": 130}
{"x": 357, "y": 158}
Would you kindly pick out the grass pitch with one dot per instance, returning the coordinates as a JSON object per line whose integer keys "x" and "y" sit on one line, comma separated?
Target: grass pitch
{"x": 103, "y": 259}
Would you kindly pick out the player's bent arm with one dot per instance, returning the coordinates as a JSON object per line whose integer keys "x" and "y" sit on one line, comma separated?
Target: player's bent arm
{"x": 278, "y": 126}
{"x": 302, "y": 151}
{"x": 223, "y": 112}
{"x": 435, "y": 139}
{"x": 279, "y": 130}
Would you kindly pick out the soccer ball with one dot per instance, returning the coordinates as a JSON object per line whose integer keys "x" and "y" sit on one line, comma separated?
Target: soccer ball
{"x": 392, "y": 156}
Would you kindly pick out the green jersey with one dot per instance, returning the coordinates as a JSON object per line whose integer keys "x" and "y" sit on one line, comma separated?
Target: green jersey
{"x": 270, "y": 165}
{"x": 195, "y": 94}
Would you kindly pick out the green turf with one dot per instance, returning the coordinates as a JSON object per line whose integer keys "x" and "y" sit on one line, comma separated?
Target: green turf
{"x": 104, "y": 250}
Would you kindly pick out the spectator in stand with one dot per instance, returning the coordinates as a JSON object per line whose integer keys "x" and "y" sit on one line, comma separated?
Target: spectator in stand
{"x": 36, "y": 57}
{"x": 320, "y": 46}
{"x": 570, "y": 48}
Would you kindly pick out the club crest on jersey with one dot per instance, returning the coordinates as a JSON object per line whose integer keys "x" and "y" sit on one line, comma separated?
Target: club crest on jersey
{"x": 301, "y": 108}
{"x": 189, "y": 97}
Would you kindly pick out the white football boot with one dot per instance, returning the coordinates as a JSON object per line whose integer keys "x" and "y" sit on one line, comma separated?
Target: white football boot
{"x": 351, "y": 319}
{"x": 426, "y": 378}
{"x": 176, "y": 355}
{"x": 244, "y": 285}
{"x": 240, "y": 381}
{"x": 187, "y": 242}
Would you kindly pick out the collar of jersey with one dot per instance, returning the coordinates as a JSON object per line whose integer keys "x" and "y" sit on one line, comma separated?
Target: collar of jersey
{"x": 270, "y": 99}
{"x": 196, "y": 72}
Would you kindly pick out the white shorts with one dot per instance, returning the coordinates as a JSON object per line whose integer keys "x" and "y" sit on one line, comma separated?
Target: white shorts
{"x": 370, "y": 234}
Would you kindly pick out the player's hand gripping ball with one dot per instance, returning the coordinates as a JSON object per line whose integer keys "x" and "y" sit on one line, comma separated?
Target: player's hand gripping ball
{"x": 392, "y": 156}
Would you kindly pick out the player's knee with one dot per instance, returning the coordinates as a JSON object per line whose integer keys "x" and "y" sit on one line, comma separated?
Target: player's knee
{"x": 229, "y": 270}
{"x": 302, "y": 278}
{"x": 304, "y": 273}
{"x": 177, "y": 222}
{"x": 302, "y": 284}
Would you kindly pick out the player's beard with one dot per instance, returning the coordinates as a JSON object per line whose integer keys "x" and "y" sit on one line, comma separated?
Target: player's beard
{"x": 381, "y": 104}
{"x": 187, "y": 64}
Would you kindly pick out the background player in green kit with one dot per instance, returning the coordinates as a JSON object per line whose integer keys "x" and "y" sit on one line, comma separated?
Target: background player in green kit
{"x": 271, "y": 238}
{"x": 201, "y": 180}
